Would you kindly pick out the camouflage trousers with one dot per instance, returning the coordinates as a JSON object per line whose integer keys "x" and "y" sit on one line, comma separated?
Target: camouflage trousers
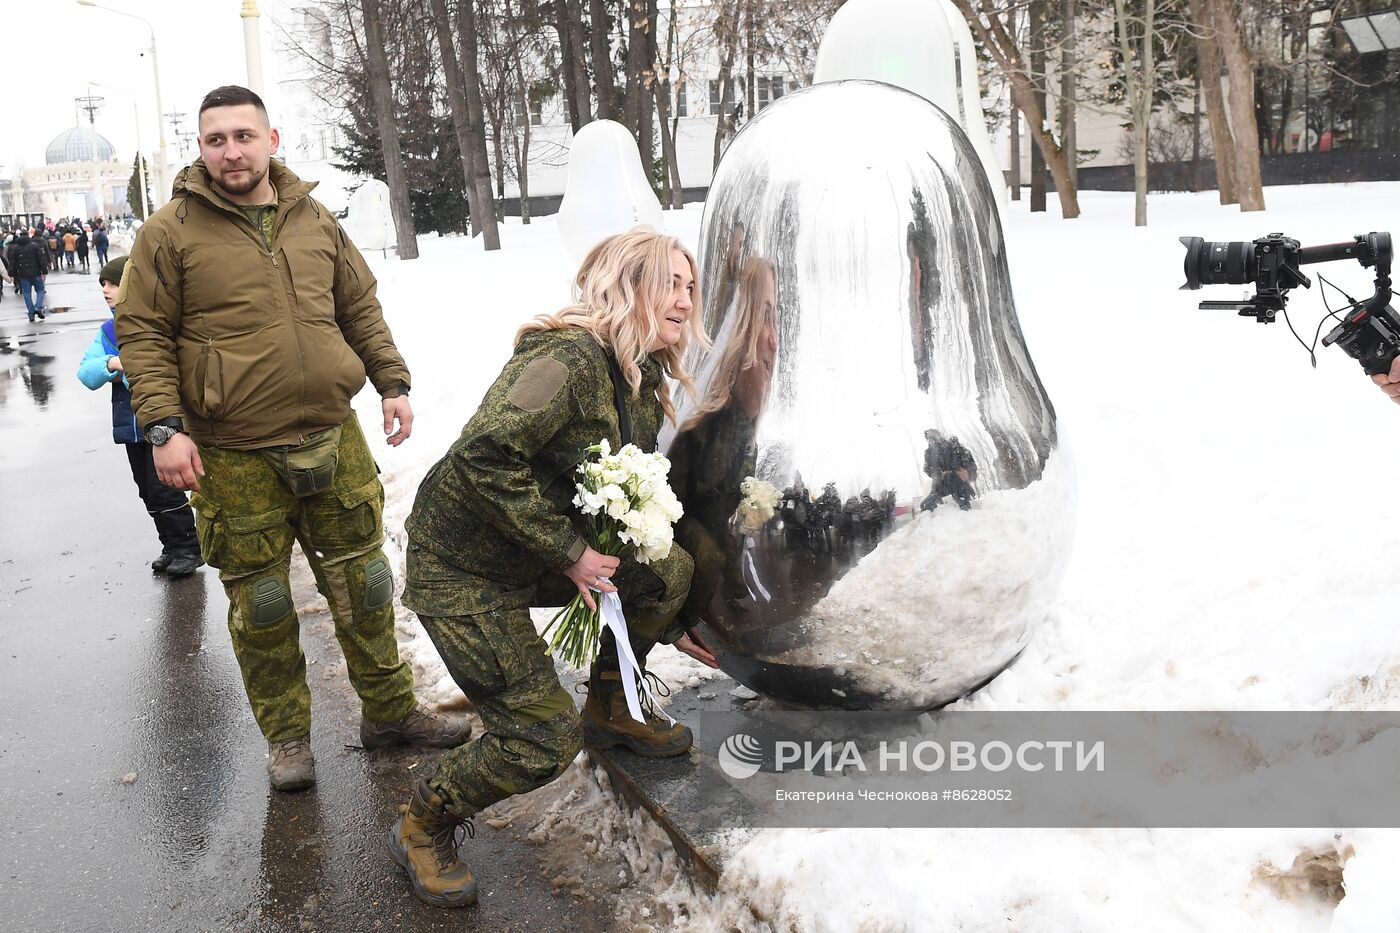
{"x": 531, "y": 727}
{"x": 246, "y": 519}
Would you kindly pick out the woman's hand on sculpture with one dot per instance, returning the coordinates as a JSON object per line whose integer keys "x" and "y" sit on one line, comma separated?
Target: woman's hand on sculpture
{"x": 693, "y": 644}
{"x": 589, "y": 570}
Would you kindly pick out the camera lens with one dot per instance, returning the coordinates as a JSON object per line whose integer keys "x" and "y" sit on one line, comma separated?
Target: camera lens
{"x": 1209, "y": 263}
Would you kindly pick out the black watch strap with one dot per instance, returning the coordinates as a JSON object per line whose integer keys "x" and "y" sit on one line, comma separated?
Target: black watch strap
{"x": 173, "y": 422}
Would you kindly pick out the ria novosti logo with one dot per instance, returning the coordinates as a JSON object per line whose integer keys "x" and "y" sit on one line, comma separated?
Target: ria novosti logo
{"x": 741, "y": 756}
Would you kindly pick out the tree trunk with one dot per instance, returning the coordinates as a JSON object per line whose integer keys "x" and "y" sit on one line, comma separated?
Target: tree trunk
{"x": 646, "y": 115}
{"x": 1068, "y": 136}
{"x": 749, "y": 98}
{"x": 1208, "y": 64}
{"x": 726, "y": 33}
{"x": 1037, "y": 49}
{"x": 1240, "y": 65}
{"x": 577, "y": 60}
{"x": 604, "y": 85}
{"x": 382, "y": 94}
{"x": 1138, "y": 78}
{"x": 566, "y": 60}
{"x": 522, "y": 145}
{"x": 476, "y": 125}
{"x": 457, "y": 104}
{"x": 1004, "y": 51}
{"x": 667, "y": 123}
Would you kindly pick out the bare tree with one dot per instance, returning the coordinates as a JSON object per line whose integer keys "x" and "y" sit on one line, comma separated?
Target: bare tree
{"x": 1136, "y": 37}
{"x": 482, "y": 214}
{"x": 1240, "y": 66}
{"x": 1068, "y": 67}
{"x": 1208, "y": 67}
{"x": 604, "y": 84}
{"x": 382, "y": 94}
{"x": 986, "y": 23}
{"x": 476, "y": 122}
{"x": 662, "y": 86}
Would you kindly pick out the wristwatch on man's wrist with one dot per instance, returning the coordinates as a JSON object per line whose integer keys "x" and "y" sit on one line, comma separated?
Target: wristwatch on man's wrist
{"x": 158, "y": 434}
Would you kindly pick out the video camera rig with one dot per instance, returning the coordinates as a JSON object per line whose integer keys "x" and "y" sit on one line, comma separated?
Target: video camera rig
{"x": 1370, "y": 330}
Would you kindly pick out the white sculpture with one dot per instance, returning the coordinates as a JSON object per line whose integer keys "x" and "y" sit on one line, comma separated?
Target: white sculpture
{"x": 916, "y": 45}
{"x": 607, "y": 192}
{"x": 370, "y": 221}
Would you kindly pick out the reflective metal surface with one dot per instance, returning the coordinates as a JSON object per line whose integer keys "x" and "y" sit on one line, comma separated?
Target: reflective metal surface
{"x": 869, "y": 367}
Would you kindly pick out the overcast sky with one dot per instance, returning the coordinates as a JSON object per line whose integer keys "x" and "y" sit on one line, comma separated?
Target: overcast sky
{"x": 56, "y": 47}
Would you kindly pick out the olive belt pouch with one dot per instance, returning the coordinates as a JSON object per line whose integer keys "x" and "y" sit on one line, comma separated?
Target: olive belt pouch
{"x": 308, "y": 468}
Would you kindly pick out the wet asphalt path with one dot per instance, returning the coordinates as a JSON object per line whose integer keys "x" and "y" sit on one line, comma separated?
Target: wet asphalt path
{"x": 106, "y": 670}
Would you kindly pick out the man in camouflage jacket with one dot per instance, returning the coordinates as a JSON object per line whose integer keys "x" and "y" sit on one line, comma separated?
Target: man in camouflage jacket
{"x": 247, "y": 321}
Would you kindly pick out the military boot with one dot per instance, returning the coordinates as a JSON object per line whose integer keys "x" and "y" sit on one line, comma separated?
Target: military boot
{"x": 608, "y": 724}
{"x": 419, "y": 727}
{"x": 290, "y": 765}
{"x": 423, "y": 840}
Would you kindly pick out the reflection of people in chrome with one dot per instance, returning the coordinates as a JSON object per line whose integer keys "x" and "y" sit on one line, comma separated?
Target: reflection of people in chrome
{"x": 715, "y": 449}
{"x": 952, "y": 468}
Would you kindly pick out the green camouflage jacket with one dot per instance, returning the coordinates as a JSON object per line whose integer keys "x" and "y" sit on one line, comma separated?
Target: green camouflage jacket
{"x": 497, "y": 508}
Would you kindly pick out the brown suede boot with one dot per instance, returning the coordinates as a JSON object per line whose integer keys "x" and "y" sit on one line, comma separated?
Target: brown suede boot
{"x": 290, "y": 765}
{"x": 608, "y": 724}
{"x": 420, "y": 727}
{"x": 423, "y": 840}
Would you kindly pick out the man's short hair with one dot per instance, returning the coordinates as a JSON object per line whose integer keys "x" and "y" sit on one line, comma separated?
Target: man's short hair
{"x": 231, "y": 95}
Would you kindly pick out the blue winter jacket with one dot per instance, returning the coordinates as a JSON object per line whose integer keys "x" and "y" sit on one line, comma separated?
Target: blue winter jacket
{"x": 93, "y": 373}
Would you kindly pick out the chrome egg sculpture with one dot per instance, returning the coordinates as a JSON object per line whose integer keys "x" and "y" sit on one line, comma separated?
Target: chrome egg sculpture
{"x": 877, "y": 498}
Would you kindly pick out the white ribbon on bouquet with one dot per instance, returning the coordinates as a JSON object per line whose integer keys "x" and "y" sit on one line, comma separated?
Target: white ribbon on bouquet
{"x": 610, "y": 608}
{"x": 752, "y": 572}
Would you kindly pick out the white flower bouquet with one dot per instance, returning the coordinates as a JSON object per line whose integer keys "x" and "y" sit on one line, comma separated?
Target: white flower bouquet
{"x": 758, "y": 506}
{"x": 630, "y": 508}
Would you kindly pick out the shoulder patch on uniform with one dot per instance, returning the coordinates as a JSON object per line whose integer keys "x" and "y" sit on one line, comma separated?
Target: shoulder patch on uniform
{"x": 538, "y": 384}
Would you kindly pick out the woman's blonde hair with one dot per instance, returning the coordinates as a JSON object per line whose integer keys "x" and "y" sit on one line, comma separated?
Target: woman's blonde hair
{"x": 740, "y": 352}
{"x": 618, "y": 289}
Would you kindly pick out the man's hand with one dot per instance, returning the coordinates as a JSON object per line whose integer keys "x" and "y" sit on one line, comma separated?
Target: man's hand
{"x": 177, "y": 463}
{"x": 692, "y": 644}
{"x": 1390, "y": 384}
{"x": 398, "y": 409}
{"x": 964, "y": 475}
{"x": 587, "y": 572}
{"x": 114, "y": 364}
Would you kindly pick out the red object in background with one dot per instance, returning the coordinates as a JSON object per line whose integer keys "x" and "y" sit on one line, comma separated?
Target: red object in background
{"x": 1325, "y": 144}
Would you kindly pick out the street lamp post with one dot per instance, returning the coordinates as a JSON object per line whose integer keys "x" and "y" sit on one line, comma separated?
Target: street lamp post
{"x": 162, "y": 169}
{"x": 252, "y": 45}
{"x": 140, "y": 152}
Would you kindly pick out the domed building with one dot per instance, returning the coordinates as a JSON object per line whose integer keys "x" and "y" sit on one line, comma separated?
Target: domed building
{"x": 81, "y": 176}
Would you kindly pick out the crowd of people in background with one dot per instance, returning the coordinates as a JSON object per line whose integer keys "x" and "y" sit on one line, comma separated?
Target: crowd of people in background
{"x": 29, "y": 254}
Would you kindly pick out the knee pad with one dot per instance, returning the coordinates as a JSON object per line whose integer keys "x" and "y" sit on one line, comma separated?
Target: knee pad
{"x": 379, "y": 582}
{"x": 363, "y": 584}
{"x": 269, "y": 601}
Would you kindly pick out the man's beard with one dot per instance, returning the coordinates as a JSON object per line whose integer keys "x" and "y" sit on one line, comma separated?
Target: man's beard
{"x": 233, "y": 186}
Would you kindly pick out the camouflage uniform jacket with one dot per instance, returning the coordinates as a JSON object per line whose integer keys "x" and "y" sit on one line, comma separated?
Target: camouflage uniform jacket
{"x": 495, "y": 514}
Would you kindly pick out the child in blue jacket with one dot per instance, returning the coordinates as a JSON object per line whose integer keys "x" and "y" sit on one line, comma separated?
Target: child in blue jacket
{"x": 168, "y": 508}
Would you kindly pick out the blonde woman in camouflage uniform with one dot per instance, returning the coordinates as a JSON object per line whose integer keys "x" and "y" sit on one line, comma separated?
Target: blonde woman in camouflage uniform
{"x": 494, "y": 532}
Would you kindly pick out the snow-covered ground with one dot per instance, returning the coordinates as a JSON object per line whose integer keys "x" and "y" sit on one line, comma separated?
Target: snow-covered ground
{"x": 1233, "y": 552}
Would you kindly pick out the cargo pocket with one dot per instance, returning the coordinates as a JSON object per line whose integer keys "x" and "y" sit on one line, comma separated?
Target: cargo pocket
{"x": 363, "y": 519}
{"x": 240, "y": 545}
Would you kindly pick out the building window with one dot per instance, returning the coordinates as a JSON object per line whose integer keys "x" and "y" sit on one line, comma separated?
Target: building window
{"x": 715, "y": 85}
{"x": 769, "y": 90}
{"x": 682, "y": 105}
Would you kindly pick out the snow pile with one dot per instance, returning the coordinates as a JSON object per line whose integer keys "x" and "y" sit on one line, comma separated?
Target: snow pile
{"x": 1231, "y": 552}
